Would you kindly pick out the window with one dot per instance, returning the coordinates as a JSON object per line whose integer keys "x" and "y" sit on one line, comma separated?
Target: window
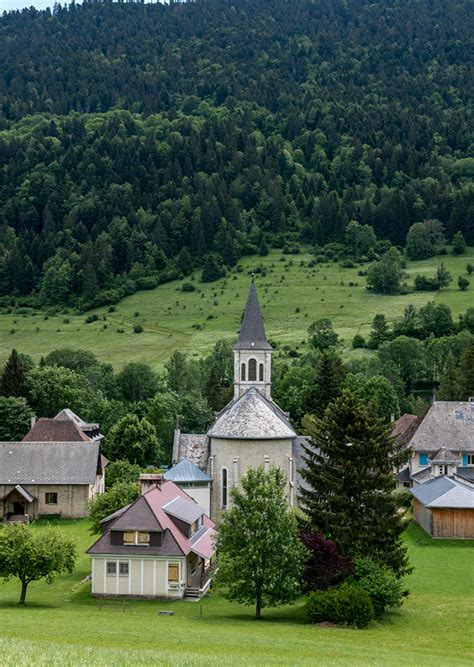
{"x": 423, "y": 459}
{"x": 136, "y": 538}
{"x": 123, "y": 569}
{"x": 260, "y": 373}
{"x": 224, "y": 488}
{"x": 242, "y": 372}
{"x": 173, "y": 573}
{"x": 252, "y": 370}
{"x": 111, "y": 568}
{"x": 51, "y": 498}
{"x": 468, "y": 459}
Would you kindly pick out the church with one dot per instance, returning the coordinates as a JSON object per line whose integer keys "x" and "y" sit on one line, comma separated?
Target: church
{"x": 251, "y": 430}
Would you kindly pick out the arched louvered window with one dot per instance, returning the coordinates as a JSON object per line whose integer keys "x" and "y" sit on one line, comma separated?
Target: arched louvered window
{"x": 260, "y": 373}
{"x": 252, "y": 370}
{"x": 224, "y": 488}
{"x": 242, "y": 372}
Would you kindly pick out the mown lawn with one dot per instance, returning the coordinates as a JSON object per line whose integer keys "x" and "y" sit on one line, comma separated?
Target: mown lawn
{"x": 62, "y": 625}
{"x": 291, "y": 295}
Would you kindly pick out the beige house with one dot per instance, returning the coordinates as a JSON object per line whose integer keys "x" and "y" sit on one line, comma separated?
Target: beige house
{"x": 160, "y": 546}
{"x": 251, "y": 430}
{"x": 38, "y": 479}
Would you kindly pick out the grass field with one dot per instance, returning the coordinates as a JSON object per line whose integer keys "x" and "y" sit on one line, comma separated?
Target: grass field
{"x": 62, "y": 625}
{"x": 291, "y": 294}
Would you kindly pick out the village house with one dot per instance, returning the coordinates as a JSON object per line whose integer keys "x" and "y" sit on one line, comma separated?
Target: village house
{"x": 252, "y": 429}
{"x": 160, "y": 546}
{"x": 54, "y": 471}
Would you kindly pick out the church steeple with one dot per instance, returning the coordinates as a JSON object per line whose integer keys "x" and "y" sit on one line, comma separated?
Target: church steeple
{"x": 252, "y": 352}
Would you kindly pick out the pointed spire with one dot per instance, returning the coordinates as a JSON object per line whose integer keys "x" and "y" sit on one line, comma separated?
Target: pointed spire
{"x": 252, "y": 332}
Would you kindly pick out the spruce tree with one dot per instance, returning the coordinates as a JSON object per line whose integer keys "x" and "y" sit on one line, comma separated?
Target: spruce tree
{"x": 350, "y": 482}
{"x": 13, "y": 380}
{"x": 449, "y": 386}
{"x": 466, "y": 373}
{"x": 330, "y": 374}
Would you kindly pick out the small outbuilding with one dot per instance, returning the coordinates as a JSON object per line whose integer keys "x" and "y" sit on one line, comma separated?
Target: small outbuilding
{"x": 444, "y": 507}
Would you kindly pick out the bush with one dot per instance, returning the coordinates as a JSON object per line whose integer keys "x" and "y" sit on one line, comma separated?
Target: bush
{"x": 358, "y": 341}
{"x": 91, "y": 318}
{"x": 347, "y": 605}
{"x": 403, "y": 497}
{"x": 138, "y": 329}
{"x": 426, "y": 284}
{"x": 463, "y": 283}
{"x": 325, "y": 567}
{"x": 380, "y": 583}
{"x": 187, "y": 287}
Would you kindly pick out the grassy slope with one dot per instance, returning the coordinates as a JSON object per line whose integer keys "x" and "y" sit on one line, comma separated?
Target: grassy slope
{"x": 168, "y": 315}
{"x": 62, "y": 625}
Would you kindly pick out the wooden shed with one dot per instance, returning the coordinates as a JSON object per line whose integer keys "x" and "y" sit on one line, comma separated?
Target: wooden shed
{"x": 444, "y": 507}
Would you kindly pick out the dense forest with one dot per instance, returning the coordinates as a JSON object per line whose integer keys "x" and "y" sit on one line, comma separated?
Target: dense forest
{"x": 139, "y": 142}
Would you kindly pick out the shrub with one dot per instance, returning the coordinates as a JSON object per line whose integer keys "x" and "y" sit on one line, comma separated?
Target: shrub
{"x": 188, "y": 287}
{"x": 469, "y": 268}
{"x": 403, "y": 497}
{"x": 91, "y": 318}
{"x": 463, "y": 283}
{"x": 358, "y": 341}
{"x": 347, "y": 605}
{"x": 380, "y": 583}
{"x": 325, "y": 566}
{"x": 426, "y": 284}
{"x": 138, "y": 329}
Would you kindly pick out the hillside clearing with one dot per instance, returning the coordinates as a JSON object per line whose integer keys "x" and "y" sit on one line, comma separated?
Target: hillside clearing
{"x": 291, "y": 294}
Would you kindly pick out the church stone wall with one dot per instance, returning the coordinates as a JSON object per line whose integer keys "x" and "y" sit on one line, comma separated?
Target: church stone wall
{"x": 239, "y": 455}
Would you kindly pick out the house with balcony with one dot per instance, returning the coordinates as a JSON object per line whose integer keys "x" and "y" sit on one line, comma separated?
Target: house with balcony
{"x": 159, "y": 546}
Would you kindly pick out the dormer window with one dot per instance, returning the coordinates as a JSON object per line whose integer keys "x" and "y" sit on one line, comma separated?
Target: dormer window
{"x": 136, "y": 538}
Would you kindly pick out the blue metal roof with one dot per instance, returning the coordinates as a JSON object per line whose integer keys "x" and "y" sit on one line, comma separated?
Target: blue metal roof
{"x": 432, "y": 489}
{"x": 186, "y": 471}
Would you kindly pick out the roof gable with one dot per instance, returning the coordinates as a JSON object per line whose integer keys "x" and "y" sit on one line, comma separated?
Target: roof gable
{"x": 252, "y": 417}
{"x": 53, "y": 430}
{"x": 138, "y": 516}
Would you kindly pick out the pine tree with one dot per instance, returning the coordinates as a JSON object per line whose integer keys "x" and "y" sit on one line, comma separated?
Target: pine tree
{"x": 350, "y": 482}
{"x": 449, "y": 386}
{"x": 466, "y": 373}
{"x": 330, "y": 374}
{"x": 13, "y": 380}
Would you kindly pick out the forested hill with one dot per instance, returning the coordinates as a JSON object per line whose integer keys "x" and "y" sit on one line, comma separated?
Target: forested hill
{"x": 138, "y": 141}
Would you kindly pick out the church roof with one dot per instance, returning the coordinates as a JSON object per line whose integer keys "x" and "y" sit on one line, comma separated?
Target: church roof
{"x": 252, "y": 417}
{"x": 252, "y": 332}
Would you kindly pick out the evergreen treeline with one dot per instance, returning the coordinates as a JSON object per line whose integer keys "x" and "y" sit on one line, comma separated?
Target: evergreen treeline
{"x": 140, "y": 141}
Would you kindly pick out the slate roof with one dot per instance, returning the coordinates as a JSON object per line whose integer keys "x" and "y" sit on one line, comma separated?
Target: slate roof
{"x": 48, "y": 462}
{"x": 403, "y": 425}
{"x": 69, "y": 414}
{"x": 186, "y": 471}
{"x": 445, "y": 455}
{"x": 446, "y": 424}
{"x": 52, "y": 430}
{"x": 252, "y": 417}
{"x": 467, "y": 472}
{"x": 252, "y": 331}
{"x": 192, "y": 446}
{"x": 174, "y": 542}
{"x": 444, "y": 493}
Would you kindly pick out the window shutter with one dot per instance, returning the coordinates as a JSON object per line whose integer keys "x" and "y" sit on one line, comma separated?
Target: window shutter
{"x": 464, "y": 460}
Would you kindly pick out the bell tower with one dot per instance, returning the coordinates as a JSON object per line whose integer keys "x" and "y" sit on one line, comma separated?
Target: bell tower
{"x": 252, "y": 352}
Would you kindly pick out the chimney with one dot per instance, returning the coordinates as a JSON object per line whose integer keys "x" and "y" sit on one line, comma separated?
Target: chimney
{"x": 33, "y": 421}
{"x": 150, "y": 480}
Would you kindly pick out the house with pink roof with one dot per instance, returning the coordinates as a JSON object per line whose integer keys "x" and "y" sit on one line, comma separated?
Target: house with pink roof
{"x": 159, "y": 546}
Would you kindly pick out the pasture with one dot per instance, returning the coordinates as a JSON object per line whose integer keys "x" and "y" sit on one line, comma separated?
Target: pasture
{"x": 291, "y": 293}
{"x": 62, "y": 625}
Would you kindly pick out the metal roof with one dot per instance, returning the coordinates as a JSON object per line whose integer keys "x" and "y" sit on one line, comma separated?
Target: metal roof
{"x": 186, "y": 510}
{"x": 252, "y": 417}
{"x": 444, "y": 492}
{"x": 252, "y": 332}
{"x": 186, "y": 471}
{"x": 48, "y": 462}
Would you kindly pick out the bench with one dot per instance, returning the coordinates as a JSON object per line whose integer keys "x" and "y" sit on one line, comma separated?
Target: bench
{"x": 106, "y": 602}
{"x": 165, "y": 612}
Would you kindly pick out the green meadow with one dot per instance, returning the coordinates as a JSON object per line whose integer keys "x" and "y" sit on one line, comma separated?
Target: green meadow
{"x": 62, "y": 625}
{"x": 292, "y": 295}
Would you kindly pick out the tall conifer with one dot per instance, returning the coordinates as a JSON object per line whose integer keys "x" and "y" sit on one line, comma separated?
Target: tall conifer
{"x": 350, "y": 482}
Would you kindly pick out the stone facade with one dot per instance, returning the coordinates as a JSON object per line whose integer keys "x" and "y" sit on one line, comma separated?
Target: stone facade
{"x": 236, "y": 456}
{"x": 71, "y": 500}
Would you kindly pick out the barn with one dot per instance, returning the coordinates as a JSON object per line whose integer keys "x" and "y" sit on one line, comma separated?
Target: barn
{"x": 444, "y": 507}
